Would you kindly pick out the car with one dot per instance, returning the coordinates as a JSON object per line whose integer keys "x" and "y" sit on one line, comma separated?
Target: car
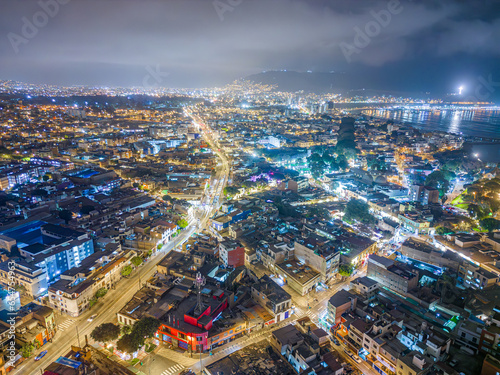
{"x": 356, "y": 358}
{"x": 453, "y": 363}
{"x": 92, "y": 317}
{"x": 40, "y": 356}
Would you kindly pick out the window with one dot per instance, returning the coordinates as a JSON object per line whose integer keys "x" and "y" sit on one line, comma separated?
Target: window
{"x": 199, "y": 338}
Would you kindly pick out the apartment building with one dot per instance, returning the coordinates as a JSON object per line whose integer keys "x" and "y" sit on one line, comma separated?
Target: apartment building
{"x": 273, "y": 298}
{"x": 398, "y": 278}
{"x": 27, "y": 275}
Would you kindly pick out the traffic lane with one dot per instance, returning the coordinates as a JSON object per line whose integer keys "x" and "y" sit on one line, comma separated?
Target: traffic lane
{"x": 106, "y": 311}
{"x": 360, "y": 366}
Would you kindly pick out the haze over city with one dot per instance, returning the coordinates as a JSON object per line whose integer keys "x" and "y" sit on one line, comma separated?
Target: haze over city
{"x": 430, "y": 46}
{"x": 249, "y": 187}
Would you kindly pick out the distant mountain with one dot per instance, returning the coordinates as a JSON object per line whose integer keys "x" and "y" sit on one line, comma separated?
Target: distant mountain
{"x": 326, "y": 82}
{"x": 291, "y": 81}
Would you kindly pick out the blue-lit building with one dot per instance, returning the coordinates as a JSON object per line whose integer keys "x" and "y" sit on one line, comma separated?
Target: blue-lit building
{"x": 52, "y": 248}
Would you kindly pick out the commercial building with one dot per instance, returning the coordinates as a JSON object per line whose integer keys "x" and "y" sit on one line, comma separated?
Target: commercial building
{"x": 340, "y": 303}
{"x": 320, "y": 255}
{"x": 31, "y": 277}
{"x": 73, "y": 293}
{"x": 300, "y": 277}
{"x": 476, "y": 277}
{"x": 424, "y": 252}
{"x": 231, "y": 253}
{"x": 395, "y": 277}
{"x": 33, "y": 323}
{"x": 273, "y": 298}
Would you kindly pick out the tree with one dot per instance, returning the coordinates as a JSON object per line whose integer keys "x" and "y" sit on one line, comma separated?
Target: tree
{"x": 105, "y": 332}
{"x": 127, "y": 270}
{"x": 27, "y": 349}
{"x": 136, "y": 261}
{"x": 356, "y": 209}
{"x": 316, "y": 165}
{"x": 286, "y": 210}
{"x": 101, "y": 292}
{"x": 126, "y": 329}
{"x": 231, "y": 191}
{"x": 66, "y": 215}
{"x": 130, "y": 343}
{"x": 443, "y": 231}
{"x": 167, "y": 198}
{"x": 319, "y": 211}
{"x": 345, "y": 270}
{"x": 146, "y": 327}
{"x": 490, "y": 224}
{"x": 182, "y": 223}
{"x": 342, "y": 162}
{"x": 46, "y": 177}
{"x": 440, "y": 180}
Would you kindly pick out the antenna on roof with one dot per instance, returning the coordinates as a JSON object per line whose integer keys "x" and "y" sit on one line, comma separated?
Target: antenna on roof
{"x": 199, "y": 282}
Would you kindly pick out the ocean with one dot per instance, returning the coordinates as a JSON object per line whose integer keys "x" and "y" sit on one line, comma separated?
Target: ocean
{"x": 471, "y": 122}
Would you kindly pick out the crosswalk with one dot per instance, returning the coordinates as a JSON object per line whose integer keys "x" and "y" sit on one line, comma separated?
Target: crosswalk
{"x": 65, "y": 325}
{"x": 172, "y": 370}
{"x": 312, "y": 315}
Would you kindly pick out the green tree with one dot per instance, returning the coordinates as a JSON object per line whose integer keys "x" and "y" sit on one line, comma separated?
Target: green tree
{"x": 126, "y": 329}
{"x": 146, "y": 327}
{"x": 319, "y": 211}
{"x": 101, "y": 292}
{"x": 167, "y": 198}
{"x": 490, "y": 224}
{"x": 66, "y": 215}
{"x": 316, "y": 165}
{"x": 130, "y": 343}
{"x": 345, "y": 270}
{"x": 105, "y": 332}
{"x": 356, "y": 209}
{"x": 342, "y": 162}
{"x": 127, "y": 270}
{"x": 27, "y": 349}
{"x": 440, "y": 180}
{"x": 136, "y": 261}
{"x": 182, "y": 223}
{"x": 443, "y": 231}
{"x": 231, "y": 191}
{"x": 46, "y": 177}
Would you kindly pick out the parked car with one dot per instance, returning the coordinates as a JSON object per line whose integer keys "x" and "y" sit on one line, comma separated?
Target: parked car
{"x": 40, "y": 356}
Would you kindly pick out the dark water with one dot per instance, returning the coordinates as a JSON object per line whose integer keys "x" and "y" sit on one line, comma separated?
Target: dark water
{"x": 473, "y": 122}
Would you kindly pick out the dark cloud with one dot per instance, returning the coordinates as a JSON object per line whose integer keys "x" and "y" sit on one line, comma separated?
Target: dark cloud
{"x": 112, "y": 42}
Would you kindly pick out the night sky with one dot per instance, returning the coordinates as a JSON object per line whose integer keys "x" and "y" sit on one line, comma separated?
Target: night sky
{"x": 425, "y": 45}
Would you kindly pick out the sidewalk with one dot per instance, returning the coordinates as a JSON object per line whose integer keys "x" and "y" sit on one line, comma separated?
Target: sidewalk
{"x": 238, "y": 344}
